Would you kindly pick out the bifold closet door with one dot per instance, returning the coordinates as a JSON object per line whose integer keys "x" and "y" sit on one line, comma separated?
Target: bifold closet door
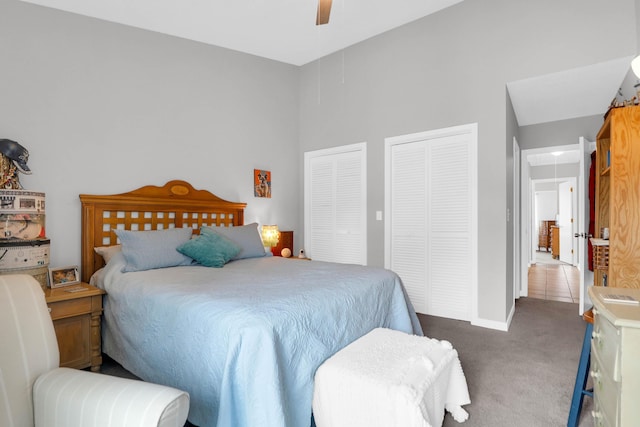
{"x": 335, "y": 204}
{"x": 430, "y": 235}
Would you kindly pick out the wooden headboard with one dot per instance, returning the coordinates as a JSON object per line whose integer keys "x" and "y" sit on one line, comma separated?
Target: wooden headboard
{"x": 176, "y": 204}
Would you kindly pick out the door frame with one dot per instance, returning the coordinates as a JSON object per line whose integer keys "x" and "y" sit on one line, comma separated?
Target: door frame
{"x": 586, "y": 275}
{"x": 517, "y": 191}
{"x": 527, "y": 203}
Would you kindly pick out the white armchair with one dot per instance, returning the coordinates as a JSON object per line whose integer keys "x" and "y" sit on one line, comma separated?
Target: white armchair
{"x": 35, "y": 392}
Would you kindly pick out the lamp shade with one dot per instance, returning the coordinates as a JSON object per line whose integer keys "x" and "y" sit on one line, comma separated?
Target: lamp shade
{"x": 635, "y": 66}
{"x": 270, "y": 235}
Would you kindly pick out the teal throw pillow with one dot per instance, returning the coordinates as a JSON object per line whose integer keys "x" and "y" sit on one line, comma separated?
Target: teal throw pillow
{"x": 210, "y": 249}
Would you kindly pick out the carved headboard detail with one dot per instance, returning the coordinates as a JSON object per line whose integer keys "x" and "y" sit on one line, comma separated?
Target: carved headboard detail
{"x": 175, "y": 205}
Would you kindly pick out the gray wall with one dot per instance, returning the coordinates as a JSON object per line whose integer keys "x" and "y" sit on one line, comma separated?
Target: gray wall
{"x": 550, "y": 171}
{"x": 448, "y": 69}
{"x": 562, "y": 132}
{"x": 104, "y": 108}
{"x": 637, "y": 16}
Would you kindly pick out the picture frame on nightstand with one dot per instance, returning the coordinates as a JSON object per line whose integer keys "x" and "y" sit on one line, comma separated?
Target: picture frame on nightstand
{"x": 64, "y": 276}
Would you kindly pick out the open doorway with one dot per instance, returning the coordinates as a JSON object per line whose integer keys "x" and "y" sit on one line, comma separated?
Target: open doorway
{"x": 553, "y": 273}
{"x": 549, "y": 268}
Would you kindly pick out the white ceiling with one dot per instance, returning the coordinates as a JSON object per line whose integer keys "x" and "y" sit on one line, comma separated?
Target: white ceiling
{"x": 282, "y": 30}
{"x": 285, "y": 30}
{"x": 579, "y": 92}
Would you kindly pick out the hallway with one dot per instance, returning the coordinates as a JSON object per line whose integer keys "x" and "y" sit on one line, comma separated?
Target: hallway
{"x": 553, "y": 280}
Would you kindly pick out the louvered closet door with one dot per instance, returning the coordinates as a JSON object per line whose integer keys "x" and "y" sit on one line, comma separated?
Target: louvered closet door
{"x": 430, "y": 230}
{"x": 335, "y": 204}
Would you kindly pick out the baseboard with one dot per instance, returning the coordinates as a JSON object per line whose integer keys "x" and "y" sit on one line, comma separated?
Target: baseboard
{"x": 511, "y": 313}
{"x": 493, "y": 324}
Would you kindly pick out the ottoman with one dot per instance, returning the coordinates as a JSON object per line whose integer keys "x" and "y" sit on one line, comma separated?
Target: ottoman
{"x": 389, "y": 378}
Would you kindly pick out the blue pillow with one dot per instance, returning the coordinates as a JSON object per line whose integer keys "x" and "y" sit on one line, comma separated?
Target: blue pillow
{"x": 210, "y": 249}
{"x": 246, "y": 236}
{"x": 145, "y": 250}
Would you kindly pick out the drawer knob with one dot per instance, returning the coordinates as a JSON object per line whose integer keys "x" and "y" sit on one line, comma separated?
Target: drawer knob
{"x": 49, "y": 308}
{"x": 597, "y": 418}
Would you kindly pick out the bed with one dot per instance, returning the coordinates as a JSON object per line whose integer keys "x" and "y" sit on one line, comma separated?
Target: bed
{"x": 244, "y": 340}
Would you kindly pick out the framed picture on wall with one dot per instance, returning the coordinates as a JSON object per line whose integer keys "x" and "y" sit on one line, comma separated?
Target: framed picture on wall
{"x": 261, "y": 183}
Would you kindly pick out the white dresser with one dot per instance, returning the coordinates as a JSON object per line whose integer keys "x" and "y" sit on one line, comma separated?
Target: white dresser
{"x": 615, "y": 359}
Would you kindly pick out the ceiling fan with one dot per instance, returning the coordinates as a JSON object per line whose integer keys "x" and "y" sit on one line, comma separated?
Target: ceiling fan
{"x": 324, "y": 10}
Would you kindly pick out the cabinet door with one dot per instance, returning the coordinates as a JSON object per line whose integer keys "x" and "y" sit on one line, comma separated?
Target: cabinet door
{"x": 74, "y": 341}
{"x": 618, "y": 194}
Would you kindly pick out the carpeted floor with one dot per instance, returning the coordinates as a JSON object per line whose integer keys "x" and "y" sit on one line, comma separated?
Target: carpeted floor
{"x": 520, "y": 378}
{"x": 523, "y": 377}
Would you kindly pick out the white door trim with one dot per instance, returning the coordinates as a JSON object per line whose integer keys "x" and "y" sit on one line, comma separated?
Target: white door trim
{"x": 515, "y": 217}
{"x": 526, "y": 186}
{"x": 586, "y": 275}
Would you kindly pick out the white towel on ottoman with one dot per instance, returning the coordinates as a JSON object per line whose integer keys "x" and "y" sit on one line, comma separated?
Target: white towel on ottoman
{"x": 390, "y": 378}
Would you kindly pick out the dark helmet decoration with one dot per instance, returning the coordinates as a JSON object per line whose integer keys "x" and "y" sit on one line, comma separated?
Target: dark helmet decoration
{"x": 17, "y": 153}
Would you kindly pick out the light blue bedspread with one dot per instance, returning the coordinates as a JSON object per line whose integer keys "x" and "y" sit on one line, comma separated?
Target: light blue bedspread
{"x": 245, "y": 340}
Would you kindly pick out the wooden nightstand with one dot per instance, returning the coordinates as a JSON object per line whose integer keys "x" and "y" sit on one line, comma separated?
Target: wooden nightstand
{"x": 76, "y": 319}
{"x": 285, "y": 241}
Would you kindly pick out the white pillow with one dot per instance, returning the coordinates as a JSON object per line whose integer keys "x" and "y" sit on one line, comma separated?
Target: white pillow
{"x": 107, "y": 252}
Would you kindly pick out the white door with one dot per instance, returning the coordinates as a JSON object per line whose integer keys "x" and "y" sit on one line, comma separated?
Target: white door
{"x": 431, "y": 219}
{"x": 586, "y": 275}
{"x": 335, "y": 203}
{"x": 565, "y": 221}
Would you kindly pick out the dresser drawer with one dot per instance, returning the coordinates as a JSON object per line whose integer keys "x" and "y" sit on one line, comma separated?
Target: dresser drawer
{"x": 68, "y": 308}
{"x": 600, "y": 418}
{"x": 605, "y": 389}
{"x": 606, "y": 341}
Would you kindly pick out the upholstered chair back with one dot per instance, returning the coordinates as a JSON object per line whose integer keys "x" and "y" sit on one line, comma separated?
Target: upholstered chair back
{"x": 28, "y": 347}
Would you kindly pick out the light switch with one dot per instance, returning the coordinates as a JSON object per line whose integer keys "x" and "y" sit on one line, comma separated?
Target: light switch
{"x": 378, "y": 215}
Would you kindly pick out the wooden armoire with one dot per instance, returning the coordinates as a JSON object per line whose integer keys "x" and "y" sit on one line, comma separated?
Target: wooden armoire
{"x": 618, "y": 197}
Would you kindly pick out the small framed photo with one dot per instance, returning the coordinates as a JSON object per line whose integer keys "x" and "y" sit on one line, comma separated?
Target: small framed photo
{"x": 64, "y": 276}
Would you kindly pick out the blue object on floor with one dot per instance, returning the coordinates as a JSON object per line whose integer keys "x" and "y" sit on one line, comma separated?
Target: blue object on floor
{"x": 579, "y": 390}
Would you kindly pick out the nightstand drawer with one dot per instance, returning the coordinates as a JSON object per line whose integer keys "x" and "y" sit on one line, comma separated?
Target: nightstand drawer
{"x": 69, "y": 308}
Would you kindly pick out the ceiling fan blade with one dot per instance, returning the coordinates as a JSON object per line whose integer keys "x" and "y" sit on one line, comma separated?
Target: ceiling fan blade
{"x": 324, "y": 10}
